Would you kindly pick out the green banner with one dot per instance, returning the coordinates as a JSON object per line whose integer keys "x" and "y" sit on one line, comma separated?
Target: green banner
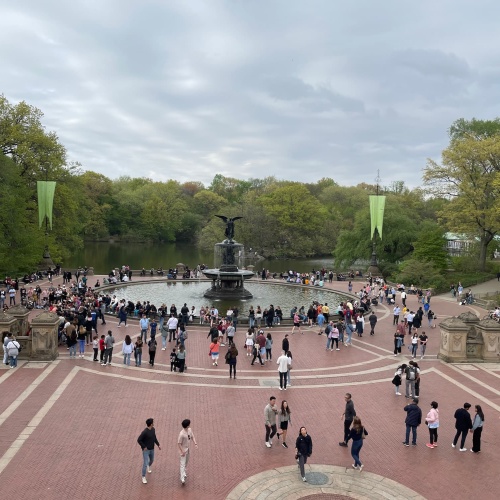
{"x": 377, "y": 206}
{"x": 46, "y": 191}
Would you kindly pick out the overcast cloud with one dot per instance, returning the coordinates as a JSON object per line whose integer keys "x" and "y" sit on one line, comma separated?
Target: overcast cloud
{"x": 250, "y": 88}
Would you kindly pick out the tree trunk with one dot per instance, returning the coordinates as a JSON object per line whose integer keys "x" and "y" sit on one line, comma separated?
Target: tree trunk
{"x": 483, "y": 248}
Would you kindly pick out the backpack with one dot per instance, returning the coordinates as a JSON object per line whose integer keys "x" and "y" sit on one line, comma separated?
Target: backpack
{"x": 152, "y": 345}
{"x": 412, "y": 373}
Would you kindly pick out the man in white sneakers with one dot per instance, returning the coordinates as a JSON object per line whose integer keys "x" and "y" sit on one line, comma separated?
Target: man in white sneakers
{"x": 270, "y": 412}
{"x": 147, "y": 441}
{"x": 183, "y": 442}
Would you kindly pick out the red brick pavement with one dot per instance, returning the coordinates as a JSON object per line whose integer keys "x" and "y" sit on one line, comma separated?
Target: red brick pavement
{"x": 85, "y": 447}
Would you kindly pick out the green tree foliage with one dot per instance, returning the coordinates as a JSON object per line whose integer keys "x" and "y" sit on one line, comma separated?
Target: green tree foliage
{"x": 421, "y": 274}
{"x": 21, "y": 244}
{"x": 467, "y": 175}
{"x": 430, "y": 245}
{"x": 24, "y": 139}
{"x": 399, "y": 229}
{"x": 297, "y": 219}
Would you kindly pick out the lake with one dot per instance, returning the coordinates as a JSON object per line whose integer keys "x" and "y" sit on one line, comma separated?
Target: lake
{"x": 104, "y": 256}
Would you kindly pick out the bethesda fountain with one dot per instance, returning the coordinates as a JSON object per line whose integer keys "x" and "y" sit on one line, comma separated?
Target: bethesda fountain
{"x": 227, "y": 278}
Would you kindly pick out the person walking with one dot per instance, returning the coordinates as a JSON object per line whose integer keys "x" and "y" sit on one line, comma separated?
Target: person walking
{"x": 372, "y": 319}
{"x": 303, "y": 450}
{"x": 270, "y": 412}
{"x": 144, "y": 324}
{"x": 396, "y": 312}
{"x": 109, "y": 342}
{"x": 183, "y": 443}
{"x": 285, "y": 418}
{"x": 269, "y": 347}
{"x": 152, "y": 344}
{"x": 214, "y": 351}
{"x": 463, "y": 423}
{"x": 138, "y": 351}
{"x": 172, "y": 324}
{"x": 477, "y": 429}
{"x": 398, "y": 342}
{"x": 412, "y": 421}
{"x": 289, "y": 356}
{"x": 181, "y": 359}
{"x": 81, "y": 341}
{"x": 349, "y": 331}
{"x": 285, "y": 343}
{"x": 432, "y": 422}
{"x": 414, "y": 345}
{"x": 147, "y": 441}
{"x": 282, "y": 363}
{"x": 231, "y": 359}
{"x": 357, "y": 434}
{"x": 423, "y": 344}
{"x": 348, "y": 416}
{"x": 127, "y": 349}
{"x": 296, "y": 323}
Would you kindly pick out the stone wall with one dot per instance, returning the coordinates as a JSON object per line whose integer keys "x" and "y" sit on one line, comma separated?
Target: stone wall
{"x": 466, "y": 338}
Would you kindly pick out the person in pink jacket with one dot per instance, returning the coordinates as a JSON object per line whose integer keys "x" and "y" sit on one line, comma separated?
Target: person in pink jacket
{"x": 432, "y": 421}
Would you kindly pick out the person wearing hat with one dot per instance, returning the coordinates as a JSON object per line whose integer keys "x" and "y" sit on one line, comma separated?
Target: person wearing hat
{"x": 463, "y": 423}
{"x": 412, "y": 421}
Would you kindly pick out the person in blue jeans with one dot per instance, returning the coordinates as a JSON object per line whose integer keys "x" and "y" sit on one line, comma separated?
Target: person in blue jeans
{"x": 412, "y": 421}
{"x": 357, "y": 434}
{"x": 147, "y": 441}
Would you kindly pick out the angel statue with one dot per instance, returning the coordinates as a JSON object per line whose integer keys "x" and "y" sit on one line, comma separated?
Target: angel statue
{"x": 229, "y": 225}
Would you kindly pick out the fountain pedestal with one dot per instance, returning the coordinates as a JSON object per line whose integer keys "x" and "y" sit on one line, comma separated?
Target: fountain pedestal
{"x": 227, "y": 279}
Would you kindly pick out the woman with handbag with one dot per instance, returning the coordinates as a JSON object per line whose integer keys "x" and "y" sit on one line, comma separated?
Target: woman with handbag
{"x": 357, "y": 434}
{"x": 303, "y": 450}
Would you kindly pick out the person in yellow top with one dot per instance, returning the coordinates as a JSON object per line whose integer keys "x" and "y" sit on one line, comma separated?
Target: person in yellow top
{"x": 326, "y": 312}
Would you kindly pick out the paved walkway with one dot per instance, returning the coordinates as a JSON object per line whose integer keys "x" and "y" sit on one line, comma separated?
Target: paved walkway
{"x": 68, "y": 429}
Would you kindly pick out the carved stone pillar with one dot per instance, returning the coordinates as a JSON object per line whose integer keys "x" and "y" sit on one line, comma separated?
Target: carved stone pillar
{"x": 8, "y": 323}
{"x": 453, "y": 344}
{"x": 489, "y": 330}
{"x": 21, "y": 314}
{"x": 44, "y": 336}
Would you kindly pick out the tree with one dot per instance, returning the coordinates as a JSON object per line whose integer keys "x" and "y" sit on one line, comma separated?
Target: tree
{"x": 430, "y": 245}
{"x": 399, "y": 229}
{"x": 467, "y": 173}
{"x": 24, "y": 139}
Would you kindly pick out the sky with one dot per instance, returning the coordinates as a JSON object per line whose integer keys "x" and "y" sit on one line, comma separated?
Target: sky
{"x": 299, "y": 90}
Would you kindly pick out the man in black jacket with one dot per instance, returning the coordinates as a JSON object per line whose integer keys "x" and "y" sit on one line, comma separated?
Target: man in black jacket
{"x": 463, "y": 423}
{"x": 412, "y": 421}
{"x": 348, "y": 417}
{"x": 147, "y": 441}
{"x": 285, "y": 345}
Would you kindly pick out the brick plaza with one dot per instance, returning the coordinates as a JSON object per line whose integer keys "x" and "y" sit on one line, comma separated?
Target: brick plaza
{"x": 68, "y": 429}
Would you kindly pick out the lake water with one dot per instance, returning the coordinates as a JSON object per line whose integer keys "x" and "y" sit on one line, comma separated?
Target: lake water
{"x": 106, "y": 256}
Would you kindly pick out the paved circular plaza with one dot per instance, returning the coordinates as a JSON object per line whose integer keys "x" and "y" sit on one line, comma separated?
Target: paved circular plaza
{"x": 68, "y": 429}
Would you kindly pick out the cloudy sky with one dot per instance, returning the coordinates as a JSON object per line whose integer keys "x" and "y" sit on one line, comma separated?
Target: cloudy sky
{"x": 300, "y": 90}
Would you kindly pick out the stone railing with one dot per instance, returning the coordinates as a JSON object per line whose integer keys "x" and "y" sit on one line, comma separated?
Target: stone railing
{"x": 466, "y": 338}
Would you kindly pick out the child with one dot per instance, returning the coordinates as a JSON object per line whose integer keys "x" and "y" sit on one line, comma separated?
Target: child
{"x": 101, "y": 347}
{"x": 173, "y": 359}
{"x": 152, "y": 351}
{"x": 95, "y": 346}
